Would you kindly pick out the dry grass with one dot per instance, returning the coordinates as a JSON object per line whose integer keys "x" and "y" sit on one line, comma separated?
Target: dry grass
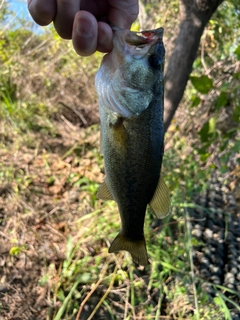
{"x": 54, "y": 233}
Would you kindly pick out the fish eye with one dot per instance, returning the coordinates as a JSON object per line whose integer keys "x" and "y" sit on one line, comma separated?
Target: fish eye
{"x": 155, "y": 61}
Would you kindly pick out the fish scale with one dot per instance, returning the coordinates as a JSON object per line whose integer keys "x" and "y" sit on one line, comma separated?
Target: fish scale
{"x": 130, "y": 89}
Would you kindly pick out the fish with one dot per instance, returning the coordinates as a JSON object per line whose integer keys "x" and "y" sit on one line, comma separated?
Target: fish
{"x": 130, "y": 88}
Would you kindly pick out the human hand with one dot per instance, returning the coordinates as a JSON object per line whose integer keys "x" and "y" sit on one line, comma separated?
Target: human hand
{"x": 85, "y": 21}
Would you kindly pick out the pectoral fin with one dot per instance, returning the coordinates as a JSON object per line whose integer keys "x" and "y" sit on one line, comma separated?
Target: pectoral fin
{"x": 160, "y": 203}
{"x": 118, "y": 133}
{"x": 104, "y": 192}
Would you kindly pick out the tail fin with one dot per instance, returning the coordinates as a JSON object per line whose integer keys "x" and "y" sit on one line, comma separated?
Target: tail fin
{"x": 137, "y": 248}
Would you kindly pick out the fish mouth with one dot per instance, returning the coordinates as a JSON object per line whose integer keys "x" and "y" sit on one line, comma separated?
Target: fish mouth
{"x": 144, "y": 37}
{"x": 137, "y": 43}
{"x": 140, "y": 37}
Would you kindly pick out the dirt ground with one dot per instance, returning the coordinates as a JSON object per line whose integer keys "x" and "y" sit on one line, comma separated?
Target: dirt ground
{"x": 38, "y": 208}
{"x": 39, "y": 205}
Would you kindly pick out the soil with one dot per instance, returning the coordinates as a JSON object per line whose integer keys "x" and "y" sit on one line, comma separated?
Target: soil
{"x": 39, "y": 207}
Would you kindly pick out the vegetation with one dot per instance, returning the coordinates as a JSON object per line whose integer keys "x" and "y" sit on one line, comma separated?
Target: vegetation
{"x": 54, "y": 233}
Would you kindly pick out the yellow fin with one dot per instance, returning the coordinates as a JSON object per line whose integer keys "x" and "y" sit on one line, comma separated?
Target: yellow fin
{"x": 137, "y": 248}
{"x": 160, "y": 203}
{"x": 104, "y": 192}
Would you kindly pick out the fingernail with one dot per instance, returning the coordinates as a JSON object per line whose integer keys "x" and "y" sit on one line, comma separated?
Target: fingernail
{"x": 84, "y": 28}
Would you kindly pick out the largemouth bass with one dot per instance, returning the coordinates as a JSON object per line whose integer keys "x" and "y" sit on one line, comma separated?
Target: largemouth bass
{"x": 129, "y": 84}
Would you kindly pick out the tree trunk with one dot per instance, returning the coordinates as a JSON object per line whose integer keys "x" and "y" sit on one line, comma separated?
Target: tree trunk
{"x": 194, "y": 15}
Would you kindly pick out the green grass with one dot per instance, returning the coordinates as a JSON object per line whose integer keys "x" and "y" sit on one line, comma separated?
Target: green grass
{"x": 89, "y": 278}
{"x": 170, "y": 274}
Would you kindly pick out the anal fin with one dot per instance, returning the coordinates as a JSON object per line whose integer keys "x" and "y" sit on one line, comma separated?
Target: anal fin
{"x": 160, "y": 203}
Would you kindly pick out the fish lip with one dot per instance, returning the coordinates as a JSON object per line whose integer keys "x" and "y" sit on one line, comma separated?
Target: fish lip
{"x": 140, "y": 37}
{"x": 145, "y": 33}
